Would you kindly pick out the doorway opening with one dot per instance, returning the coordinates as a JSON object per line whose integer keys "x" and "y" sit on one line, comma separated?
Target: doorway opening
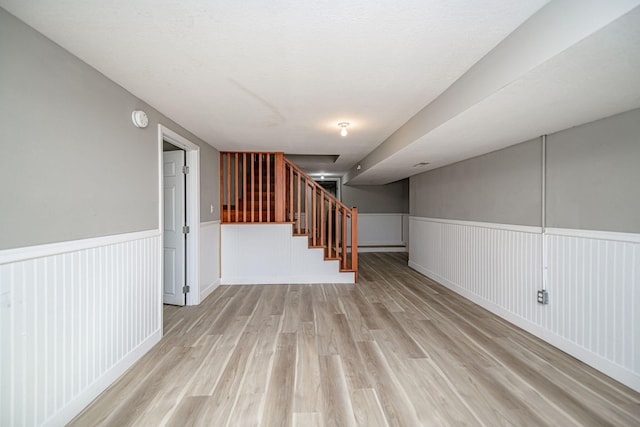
{"x": 331, "y": 184}
{"x": 190, "y": 206}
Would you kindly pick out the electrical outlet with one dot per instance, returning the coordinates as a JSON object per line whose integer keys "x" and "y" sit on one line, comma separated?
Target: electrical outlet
{"x": 543, "y": 297}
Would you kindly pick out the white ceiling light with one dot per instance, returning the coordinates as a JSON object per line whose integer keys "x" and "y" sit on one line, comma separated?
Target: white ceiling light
{"x": 344, "y": 126}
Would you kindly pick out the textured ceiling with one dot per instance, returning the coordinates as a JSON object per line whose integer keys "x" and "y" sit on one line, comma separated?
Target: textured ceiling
{"x": 280, "y": 75}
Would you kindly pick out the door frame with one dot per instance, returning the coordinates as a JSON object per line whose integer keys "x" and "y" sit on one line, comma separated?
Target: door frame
{"x": 192, "y": 195}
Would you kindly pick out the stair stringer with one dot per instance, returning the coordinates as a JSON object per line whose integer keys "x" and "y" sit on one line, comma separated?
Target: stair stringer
{"x": 271, "y": 254}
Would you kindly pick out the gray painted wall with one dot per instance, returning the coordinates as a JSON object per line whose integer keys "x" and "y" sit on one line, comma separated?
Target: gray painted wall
{"x": 592, "y": 181}
{"x": 72, "y": 164}
{"x": 209, "y": 182}
{"x": 390, "y": 198}
{"x": 593, "y": 175}
{"x": 500, "y": 187}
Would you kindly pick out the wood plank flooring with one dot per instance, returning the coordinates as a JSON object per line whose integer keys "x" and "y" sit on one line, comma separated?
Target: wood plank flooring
{"x": 397, "y": 349}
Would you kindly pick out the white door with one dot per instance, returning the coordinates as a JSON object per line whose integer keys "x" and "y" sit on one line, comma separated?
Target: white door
{"x": 174, "y": 220}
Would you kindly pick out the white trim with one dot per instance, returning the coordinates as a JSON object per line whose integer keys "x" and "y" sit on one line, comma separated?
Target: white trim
{"x": 81, "y": 401}
{"x": 568, "y": 232}
{"x": 615, "y": 371}
{"x": 509, "y": 227}
{"x": 380, "y": 244}
{"x": 206, "y": 223}
{"x": 160, "y": 189}
{"x": 382, "y": 214}
{"x": 192, "y": 155}
{"x": 30, "y": 252}
{"x": 342, "y": 278}
{"x": 381, "y": 249}
{"x": 594, "y": 234}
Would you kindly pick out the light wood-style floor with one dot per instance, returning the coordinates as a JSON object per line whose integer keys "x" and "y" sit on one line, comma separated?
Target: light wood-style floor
{"x": 396, "y": 349}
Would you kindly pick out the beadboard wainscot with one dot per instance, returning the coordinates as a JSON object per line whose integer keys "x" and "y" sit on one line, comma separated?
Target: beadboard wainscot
{"x": 592, "y": 277}
{"x": 74, "y": 316}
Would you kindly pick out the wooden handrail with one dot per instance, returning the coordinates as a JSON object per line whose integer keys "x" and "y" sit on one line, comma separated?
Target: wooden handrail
{"x": 268, "y": 187}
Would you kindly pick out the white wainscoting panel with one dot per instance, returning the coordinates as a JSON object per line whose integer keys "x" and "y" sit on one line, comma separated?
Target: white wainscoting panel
{"x": 593, "y": 280}
{"x": 209, "y": 257}
{"x": 270, "y": 254}
{"x": 594, "y": 283}
{"x": 72, "y": 319}
{"x": 502, "y": 267}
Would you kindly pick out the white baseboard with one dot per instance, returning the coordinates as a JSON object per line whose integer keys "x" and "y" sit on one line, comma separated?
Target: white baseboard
{"x": 382, "y": 249}
{"x": 208, "y": 290}
{"x": 344, "y": 278}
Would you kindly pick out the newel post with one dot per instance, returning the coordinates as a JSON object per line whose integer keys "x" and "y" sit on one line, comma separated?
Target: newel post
{"x": 279, "y": 189}
{"x": 354, "y": 241}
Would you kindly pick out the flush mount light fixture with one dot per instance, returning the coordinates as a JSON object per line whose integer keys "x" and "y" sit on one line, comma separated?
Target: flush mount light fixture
{"x": 344, "y": 126}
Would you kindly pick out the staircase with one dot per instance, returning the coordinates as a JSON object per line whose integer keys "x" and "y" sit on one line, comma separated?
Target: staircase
{"x": 259, "y": 188}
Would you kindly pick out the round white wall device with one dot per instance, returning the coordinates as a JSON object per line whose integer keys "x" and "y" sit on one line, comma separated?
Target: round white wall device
{"x": 140, "y": 119}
